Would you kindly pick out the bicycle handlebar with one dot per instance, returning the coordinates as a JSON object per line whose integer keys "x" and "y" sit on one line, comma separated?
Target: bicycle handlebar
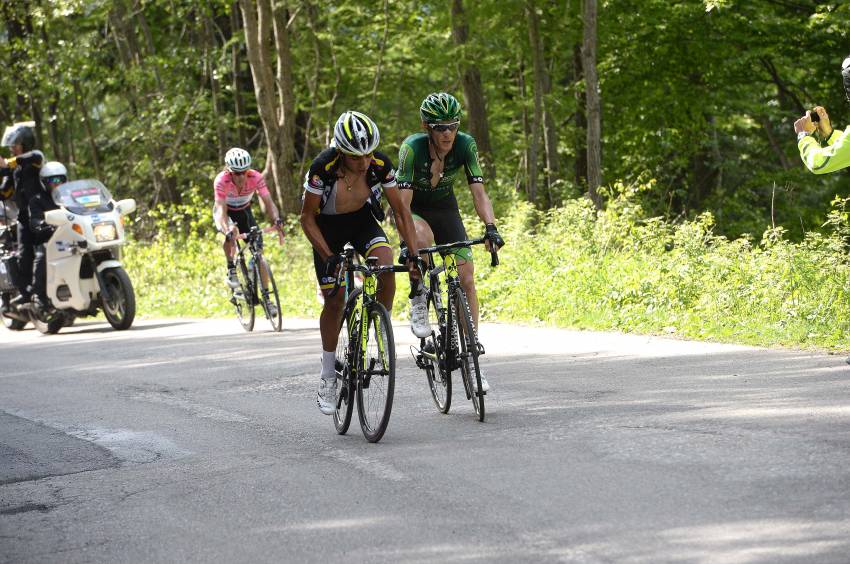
{"x": 255, "y": 231}
{"x": 367, "y": 269}
{"x": 494, "y": 253}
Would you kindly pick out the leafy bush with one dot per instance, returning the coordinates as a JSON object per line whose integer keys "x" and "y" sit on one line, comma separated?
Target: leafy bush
{"x": 574, "y": 267}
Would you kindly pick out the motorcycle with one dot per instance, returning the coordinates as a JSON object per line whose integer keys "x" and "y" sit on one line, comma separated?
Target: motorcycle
{"x": 84, "y": 272}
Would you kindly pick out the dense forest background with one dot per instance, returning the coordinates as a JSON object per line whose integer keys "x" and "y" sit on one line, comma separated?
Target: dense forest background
{"x": 696, "y": 97}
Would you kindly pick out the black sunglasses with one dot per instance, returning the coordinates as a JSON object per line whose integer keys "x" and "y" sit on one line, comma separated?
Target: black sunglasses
{"x": 441, "y": 127}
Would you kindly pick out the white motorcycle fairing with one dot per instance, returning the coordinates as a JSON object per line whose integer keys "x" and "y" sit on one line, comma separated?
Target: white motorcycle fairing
{"x": 88, "y": 237}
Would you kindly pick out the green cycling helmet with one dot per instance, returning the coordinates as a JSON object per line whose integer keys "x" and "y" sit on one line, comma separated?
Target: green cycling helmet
{"x": 440, "y": 106}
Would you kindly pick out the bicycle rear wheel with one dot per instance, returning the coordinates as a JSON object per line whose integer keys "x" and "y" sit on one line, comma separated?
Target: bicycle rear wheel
{"x": 434, "y": 360}
{"x": 469, "y": 353}
{"x": 243, "y": 296}
{"x": 271, "y": 304}
{"x": 376, "y": 378}
{"x": 346, "y": 359}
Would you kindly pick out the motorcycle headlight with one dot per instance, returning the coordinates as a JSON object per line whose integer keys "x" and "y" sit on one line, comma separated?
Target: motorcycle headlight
{"x": 105, "y": 231}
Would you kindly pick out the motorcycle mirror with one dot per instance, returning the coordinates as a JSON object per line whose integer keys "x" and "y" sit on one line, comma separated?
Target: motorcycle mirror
{"x": 127, "y": 206}
{"x": 55, "y": 217}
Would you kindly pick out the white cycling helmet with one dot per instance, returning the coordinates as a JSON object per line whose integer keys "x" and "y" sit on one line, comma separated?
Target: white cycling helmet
{"x": 237, "y": 159}
{"x": 355, "y": 134}
{"x": 53, "y": 173}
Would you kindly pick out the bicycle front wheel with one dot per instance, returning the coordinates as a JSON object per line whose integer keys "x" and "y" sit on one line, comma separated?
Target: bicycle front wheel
{"x": 271, "y": 302}
{"x": 346, "y": 364}
{"x": 434, "y": 360}
{"x": 469, "y": 353}
{"x": 376, "y": 376}
{"x": 243, "y": 297}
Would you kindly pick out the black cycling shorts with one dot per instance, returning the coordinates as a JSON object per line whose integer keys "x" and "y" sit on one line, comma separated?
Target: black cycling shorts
{"x": 358, "y": 228}
{"x": 244, "y": 220}
{"x": 447, "y": 227}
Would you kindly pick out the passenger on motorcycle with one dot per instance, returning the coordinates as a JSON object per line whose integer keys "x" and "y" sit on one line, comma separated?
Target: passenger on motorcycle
{"x": 234, "y": 191}
{"x": 23, "y": 169}
{"x": 52, "y": 174}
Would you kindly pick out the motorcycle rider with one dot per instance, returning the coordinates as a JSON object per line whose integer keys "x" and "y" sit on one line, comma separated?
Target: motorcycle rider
{"x": 23, "y": 168}
{"x": 52, "y": 174}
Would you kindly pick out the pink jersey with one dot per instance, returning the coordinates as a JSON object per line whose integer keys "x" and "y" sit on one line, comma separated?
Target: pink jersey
{"x": 238, "y": 199}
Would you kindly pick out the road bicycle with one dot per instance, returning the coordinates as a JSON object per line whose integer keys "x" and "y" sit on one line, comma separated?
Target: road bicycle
{"x": 251, "y": 291}
{"x": 453, "y": 343}
{"x": 365, "y": 353}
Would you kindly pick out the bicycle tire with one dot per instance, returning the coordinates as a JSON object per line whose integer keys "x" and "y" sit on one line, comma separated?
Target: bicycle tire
{"x": 439, "y": 377}
{"x": 376, "y": 377}
{"x": 273, "y": 299}
{"x": 469, "y": 353}
{"x": 243, "y": 297}
{"x": 346, "y": 358}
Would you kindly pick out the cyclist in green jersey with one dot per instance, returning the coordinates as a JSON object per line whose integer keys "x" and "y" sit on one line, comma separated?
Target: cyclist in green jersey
{"x": 429, "y": 164}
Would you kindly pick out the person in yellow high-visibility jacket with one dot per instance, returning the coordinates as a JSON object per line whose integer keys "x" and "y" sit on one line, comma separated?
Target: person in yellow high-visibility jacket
{"x": 823, "y": 148}
{"x": 831, "y": 150}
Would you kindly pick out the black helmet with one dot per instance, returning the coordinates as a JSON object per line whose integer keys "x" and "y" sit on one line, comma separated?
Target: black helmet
{"x": 20, "y": 134}
{"x": 845, "y": 75}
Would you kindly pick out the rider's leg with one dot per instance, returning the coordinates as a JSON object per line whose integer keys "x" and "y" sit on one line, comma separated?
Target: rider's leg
{"x": 466, "y": 273}
{"x": 330, "y": 320}
{"x": 39, "y": 275}
{"x": 26, "y": 255}
{"x": 419, "y": 323}
{"x": 386, "y": 281}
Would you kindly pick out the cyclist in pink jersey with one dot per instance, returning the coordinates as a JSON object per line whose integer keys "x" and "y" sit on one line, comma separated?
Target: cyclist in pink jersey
{"x": 234, "y": 191}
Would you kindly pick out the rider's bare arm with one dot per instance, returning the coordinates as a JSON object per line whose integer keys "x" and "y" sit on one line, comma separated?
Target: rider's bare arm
{"x": 269, "y": 208}
{"x": 220, "y": 215}
{"x": 403, "y": 217}
{"x": 309, "y": 212}
{"x": 483, "y": 207}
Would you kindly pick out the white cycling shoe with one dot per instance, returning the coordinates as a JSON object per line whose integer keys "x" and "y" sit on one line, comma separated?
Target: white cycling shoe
{"x": 419, "y": 316}
{"x": 326, "y": 396}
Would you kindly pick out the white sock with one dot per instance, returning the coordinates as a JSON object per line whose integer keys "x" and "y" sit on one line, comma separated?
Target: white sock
{"x": 328, "y": 365}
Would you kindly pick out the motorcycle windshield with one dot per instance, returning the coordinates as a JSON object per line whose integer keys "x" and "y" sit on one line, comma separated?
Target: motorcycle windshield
{"x": 83, "y": 197}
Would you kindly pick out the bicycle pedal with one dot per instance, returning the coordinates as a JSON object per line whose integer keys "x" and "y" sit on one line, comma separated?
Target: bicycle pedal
{"x": 480, "y": 349}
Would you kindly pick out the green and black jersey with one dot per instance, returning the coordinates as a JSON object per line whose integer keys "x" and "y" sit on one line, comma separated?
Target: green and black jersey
{"x": 414, "y": 170}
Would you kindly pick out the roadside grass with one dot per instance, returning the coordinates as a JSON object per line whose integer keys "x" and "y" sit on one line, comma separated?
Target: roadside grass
{"x": 571, "y": 267}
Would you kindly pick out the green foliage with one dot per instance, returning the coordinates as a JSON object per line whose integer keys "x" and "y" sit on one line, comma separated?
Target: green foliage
{"x": 178, "y": 275}
{"x": 618, "y": 270}
{"x": 574, "y": 267}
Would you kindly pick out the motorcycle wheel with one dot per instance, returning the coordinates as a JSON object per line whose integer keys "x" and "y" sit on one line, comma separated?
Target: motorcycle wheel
{"x": 118, "y": 298}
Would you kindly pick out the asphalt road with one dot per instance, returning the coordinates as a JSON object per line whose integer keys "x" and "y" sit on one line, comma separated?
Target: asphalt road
{"x": 192, "y": 441}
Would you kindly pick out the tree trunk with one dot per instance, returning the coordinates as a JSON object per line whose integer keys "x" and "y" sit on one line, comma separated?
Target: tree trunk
{"x": 537, "y": 93}
{"x": 473, "y": 92}
{"x": 215, "y": 87}
{"x": 526, "y": 130}
{"x": 80, "y": 100}
{"x": 580, "y": 144}
{"x": 275, "y": 98}
{"x": 381, "y": 50}
{"x": 594, "y": 111}
{"x": 238, "y": 102}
